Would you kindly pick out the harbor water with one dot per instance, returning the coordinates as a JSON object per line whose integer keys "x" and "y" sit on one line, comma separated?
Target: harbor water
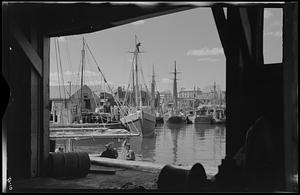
{"x": 173, "y": 144}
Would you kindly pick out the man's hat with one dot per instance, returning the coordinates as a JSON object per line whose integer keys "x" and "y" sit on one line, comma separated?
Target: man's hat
{"x": 109, "y": 144}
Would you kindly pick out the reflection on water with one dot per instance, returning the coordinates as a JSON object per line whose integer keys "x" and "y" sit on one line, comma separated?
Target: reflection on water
{"x": 173, "y": 144}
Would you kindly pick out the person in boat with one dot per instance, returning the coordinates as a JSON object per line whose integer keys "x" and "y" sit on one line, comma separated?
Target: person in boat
{"x": 129, "y": 154}
{"x": 110, "y": 151}
{"x": 59, "y": 149}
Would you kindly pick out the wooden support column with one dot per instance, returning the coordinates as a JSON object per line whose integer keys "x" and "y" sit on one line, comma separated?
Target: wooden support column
{"x": 233, "y": 84}
{"x": 45, "y": 103}
{"x": 290, "y": 91}
{"x": 241, "y": 38}
{"x": 26, "y": 47}
{"x": 222, "y": 26}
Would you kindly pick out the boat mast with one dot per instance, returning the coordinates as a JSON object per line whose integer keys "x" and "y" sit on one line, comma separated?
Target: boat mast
{"x": 194, "y": 99}
{"x": 133, "y": 88}
{"x": 136, "y": 72}
{"x": 175, "y": 88}
{"x": 153, "y": 90}
{"x": 81, "y": 83}
{"x": 215, "y": 99}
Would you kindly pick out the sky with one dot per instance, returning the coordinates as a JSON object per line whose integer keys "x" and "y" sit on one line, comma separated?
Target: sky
{"x": 190, "y": 37}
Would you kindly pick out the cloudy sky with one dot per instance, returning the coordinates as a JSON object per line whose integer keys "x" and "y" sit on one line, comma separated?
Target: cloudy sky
{"x": 189, "y": 37}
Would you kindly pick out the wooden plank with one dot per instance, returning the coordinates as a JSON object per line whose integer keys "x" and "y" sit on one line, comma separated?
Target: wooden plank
{"x": 35, "y": 121}
{"x": 26, "y": 47}
{"x": 102, "y": 171}
{"x": 45, "y": 143}
{"x": 222, "y": 26}
{"x": 290, "y": 91}
{"x": 246, "y": 28}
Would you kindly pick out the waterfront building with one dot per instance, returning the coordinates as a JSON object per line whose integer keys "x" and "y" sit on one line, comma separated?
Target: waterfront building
{"x": 66, "y": 108}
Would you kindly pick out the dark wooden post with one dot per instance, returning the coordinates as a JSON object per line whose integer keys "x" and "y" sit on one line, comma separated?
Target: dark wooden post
{"x": 290, "y": 91}
{"x": 45, "y": 103}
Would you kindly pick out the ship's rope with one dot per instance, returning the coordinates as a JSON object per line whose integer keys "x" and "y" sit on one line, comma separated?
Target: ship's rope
{"x": 118, "y": 103}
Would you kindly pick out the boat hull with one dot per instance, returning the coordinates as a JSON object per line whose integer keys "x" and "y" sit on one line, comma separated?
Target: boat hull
{"x": 218, "y": 121}
{"x": 176, "y": 120}
{"x": 203, "y": 120}
{"x": 148, "y": 124}
{"x": 142, "y": 121}
{"x": 159, "y": 119}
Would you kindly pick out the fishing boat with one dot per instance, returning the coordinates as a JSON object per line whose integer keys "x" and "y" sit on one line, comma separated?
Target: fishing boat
{"x": 155, "y": 107}
{"x": 203, "y": 115}
{"x": 159, "y": 118}
{"x": 139, "y": 118}
{"x": 175, "y": 116}
{"x": 218, "y": 116}
{"x": 89, "y": 123}
{"x": 211, "y": 113}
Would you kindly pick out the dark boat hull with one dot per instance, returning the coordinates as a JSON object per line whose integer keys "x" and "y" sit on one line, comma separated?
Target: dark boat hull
{"x": 159, "y": 120}
{"x": 176, "y": 120}
{"x": 203, "y": 120}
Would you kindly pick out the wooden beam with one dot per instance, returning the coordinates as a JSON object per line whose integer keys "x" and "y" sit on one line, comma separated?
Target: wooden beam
{"x": 26, "y": 47}
{"x": 246, "y": 28}
{"x": 290, "y": 91}
{"x": 222, "y": 26}
{"x": 45, "y": 143}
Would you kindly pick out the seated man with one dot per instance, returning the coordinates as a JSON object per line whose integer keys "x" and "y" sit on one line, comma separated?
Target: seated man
{"x": 110, "y": 151}
{"x": 59, "y": 149}
{"x": 129, "y": 153}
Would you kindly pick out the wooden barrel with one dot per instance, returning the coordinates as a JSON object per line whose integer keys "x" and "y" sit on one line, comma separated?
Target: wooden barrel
{"x": 56, "y": 164}
{"x": 83, "y": 163}
{"x": 172, "y": 179}
{"x": 71, "y": 164}
{"x": 176, "y": 179}
{"x": 68, "y": 164}
{"x": 197, "y": 179}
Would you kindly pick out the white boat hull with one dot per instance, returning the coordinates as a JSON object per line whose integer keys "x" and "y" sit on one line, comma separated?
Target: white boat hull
{"x": 140, "y": 121}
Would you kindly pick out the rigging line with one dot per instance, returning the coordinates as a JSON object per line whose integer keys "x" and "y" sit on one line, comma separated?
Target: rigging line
{"x": 147, "y": 91}
{"x": 62, "y": 76}
{"x": 92, "y": 81}
{"x": 118, "y": 103}
{"x": 69, "y": 62}
{"x": 61, "y": 70}
{"x": 102, "y": 74}
{"x": 127, "y": 90}
{"x": 55, "y": 46}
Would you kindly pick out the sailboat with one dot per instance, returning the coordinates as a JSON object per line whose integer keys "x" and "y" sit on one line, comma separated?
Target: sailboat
{"x": 84, "y": 128}
{"x": 174, "y": 115}
{"x": 156, "y": 108}
{"x": 139, "y": 118}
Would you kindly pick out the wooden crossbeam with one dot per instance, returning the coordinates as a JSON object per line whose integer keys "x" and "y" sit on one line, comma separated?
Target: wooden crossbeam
{"x": 246, "y": 28}
{"x": 221, "y": 24}
{"x": 27, "y": 48}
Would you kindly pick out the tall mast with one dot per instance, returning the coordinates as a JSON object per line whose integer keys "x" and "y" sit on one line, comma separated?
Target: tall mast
{"x": 153, "y": 89}
{"x": 81, "y": 84}
{"x": 215, "y": 99}
{"x": 175, "y": 87}
{"x": 136, "y": 72}
{"x": 194, "y": 98}
{"x": 133, "y": 88}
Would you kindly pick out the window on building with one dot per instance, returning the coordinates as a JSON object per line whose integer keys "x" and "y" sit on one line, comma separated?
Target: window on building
{"x": 55, "y": 117}
{"x": 87, "y": 103}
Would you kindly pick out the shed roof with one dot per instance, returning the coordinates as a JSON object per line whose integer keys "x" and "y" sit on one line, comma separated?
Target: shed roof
{"x": 63, "y": 92}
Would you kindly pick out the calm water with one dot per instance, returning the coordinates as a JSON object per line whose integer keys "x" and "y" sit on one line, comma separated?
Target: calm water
{"x": 173, "y": 144}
